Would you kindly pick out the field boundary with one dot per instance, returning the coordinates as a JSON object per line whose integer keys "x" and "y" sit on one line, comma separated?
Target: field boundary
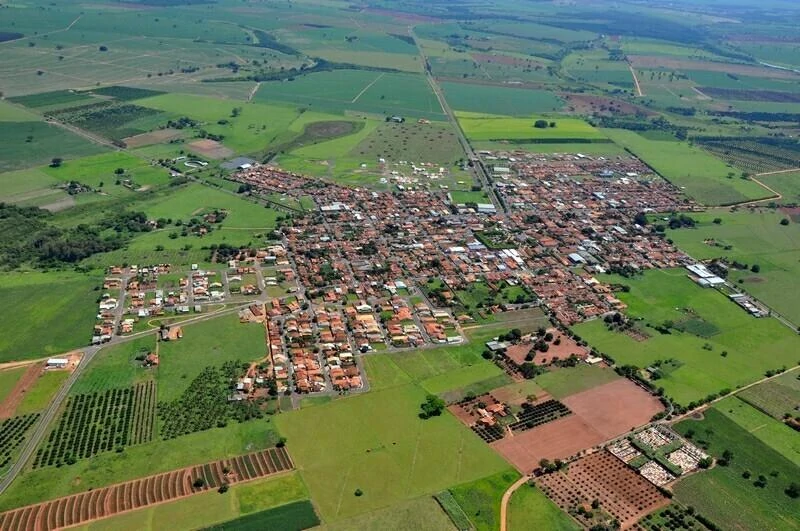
{"x": 14, "y": 398}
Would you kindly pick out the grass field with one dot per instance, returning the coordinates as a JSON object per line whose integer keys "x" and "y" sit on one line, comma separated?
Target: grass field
{"x": 116, "y": 367}
{"x": 754, "y": 238}
{"x": 777, "y": 397}
{"x": 38, "y": 397}
{"x": 422, "y": 514}
{"x": 771, "y": 432}
{"x": 480, "y": 500}
{"x": 530, "y": 508}
{"x": 56, "y": 310}
{"x": 378, "y": 93}
{"x": 209, "y": 508}
{"x": 786, "y": 184}
{"x": 567, "y": 381}
{"x": 31, "y": 143}
{"x": 500, "y": 100}
{"x": 381, "y": 431}
{"x": 753, "y": 345}
{"x": 8, "y": 380}
{"x": 31, "y": 187}
{"x": 485, "y": 127}
{"x": 702, "y": 176}
{"x": 727, "y": 498}
{"x": 12, "y": 113}
{"x": 99, "y": 173}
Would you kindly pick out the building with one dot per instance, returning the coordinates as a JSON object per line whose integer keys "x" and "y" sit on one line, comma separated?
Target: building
{"x": 57, "y": 363}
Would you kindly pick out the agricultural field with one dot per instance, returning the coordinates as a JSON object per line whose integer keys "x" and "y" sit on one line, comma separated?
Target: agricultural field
{"x": 735, "y": 348}
{"x": 752, "y": 237}
{"x": 422, "y": 513}
{"x": 755, "y": 155}
{"x": 729, "y": 496}
{"x": 482, "y": 127}
{"x": 499, "y": 100}
{"x": 381, "y": 431}
{"x": 8, "y": 380}
{"x": 13, "y": 432}
{"x": 31, "y": 143}
{"x": 56, "y": 309}
{"x": 702, "y": 176}
{"x": 777, "y": 397}
{"x": 378, "y": 93}
{"x": 787, "y": 184}
{"x": 567, "y": 381}
{"x": 480, "y": 500}
{"x": 38, "y": 397}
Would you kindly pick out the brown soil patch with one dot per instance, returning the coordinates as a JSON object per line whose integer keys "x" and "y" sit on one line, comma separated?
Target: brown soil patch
{"x": 512, "y": 397}
{"x": 562, "y": 351}
{"x": 622, "y": 492}
{"x": 210, "y": 148}
{"x": 168, "y": 486}
{"x": 614, "y": 408}
{"x": 657, "y": 61}
{"x": 559, "y": 439}
{"x": 29, "y": 377}
{"x": 589, "y": 104}
{"x": 153, "y": 137}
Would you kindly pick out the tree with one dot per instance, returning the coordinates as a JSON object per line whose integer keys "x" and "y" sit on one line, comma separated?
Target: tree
{"x": 756, "y": 268}
{"x": 119, "y": 171}
{"x": 55, "y": 162}
{"x": 199, "y": 483}
{"x": 223, "y": 488}
{"x": 705, "y": 463}
{"x": 793, "y": 490}
{"x": 717, "y": 221}
{"x": 540, "y": 124}
{"x": 432, "y": 407}
{"x": 785, "y": 221}
{"x": 103, "y": 48}
{"x": 359, "y": 492}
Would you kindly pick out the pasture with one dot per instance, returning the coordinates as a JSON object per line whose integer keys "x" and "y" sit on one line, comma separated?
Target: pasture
{"x": 32, "y": 143}
{"x": 484, "y": 127}
{"x": 480, "y": 500}
{"x": 724, "y": 494}
{"x": 99, "y": 173}
{"x": 777, "y": 397}
{"x": 530, "y": 508}
{"x": 422, "y": 514}
{"x": 700, "y": 175}
{"x": 500, "y": 100}
{"x": 57, "y": 311}
{"x": 751, "y": 346}
{"x": 379, "y": 93}
{"x": 30, "y": 187}
{"x": 753, "y": 238}
{"x": 380, "y": 430}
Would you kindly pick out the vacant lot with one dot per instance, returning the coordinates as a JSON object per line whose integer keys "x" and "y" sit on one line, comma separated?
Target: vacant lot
{"x": 751, "y": 238}
{"x": 723, "y": 494}
{"x": 56, "y": 311}
{"x": 702, "y": 176}
{"x": 751, "y": 346}
{"x": 413, "y": 142}
{"x": 381, "y": 431}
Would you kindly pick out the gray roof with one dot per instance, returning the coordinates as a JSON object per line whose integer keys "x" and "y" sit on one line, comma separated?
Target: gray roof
{"x": 235, "y": 163}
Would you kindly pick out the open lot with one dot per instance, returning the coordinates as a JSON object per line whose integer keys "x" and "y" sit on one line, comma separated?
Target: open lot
{"x": 599, "y": 414}
{"x": 381, "y": 431}
{"x": 753, "y": 346}
{"x": 723, "y": 494}
{"x": 485, "y": 127}
{"x": 751, "y": 237}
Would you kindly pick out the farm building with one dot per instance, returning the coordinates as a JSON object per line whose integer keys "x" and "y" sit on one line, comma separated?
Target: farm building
{"x": 57, "y": 363}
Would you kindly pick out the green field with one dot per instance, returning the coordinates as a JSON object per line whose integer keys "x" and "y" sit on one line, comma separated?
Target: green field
{"x": 499, "y": 100}
{"x": 32, "y": 187}
{"x": 12, "y": 113}
{"x": 787, "y": 184}
{"x": 702, "y": 176}
{"x": 529, "y": 508}
{"x": 771, "y": 432}
{"x": 38, "y": 397}
{"x": 98, "y": 172}
{"x": 295, "y": 515}
{"x": 379, "y": 93}
{"x": 754, "y": 238}
{"x": 422, "y": 514}
{"x": 433, "y": 142}
{"x": 485, "y": 127}
{"x": 381, "y": 431}
{"x": 31, "y": 143}
{"x": 753, "y": 345}
{"x": 727, "y": 498}
{"x": 480, "y": 500}
{"x": 56, "y": 310}
{"x": 209, "y": 508}
{"x": 567, "y": 381}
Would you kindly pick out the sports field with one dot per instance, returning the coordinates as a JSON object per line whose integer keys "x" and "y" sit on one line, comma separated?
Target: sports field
{"x": 56, "y": 309}
{"x": 723, "y": 494}
{"x": 380, "y": 431}
{"x": 485, "y": 127}
{"x": 751, "y": 346}
{"x": 752, "y": 238}
{"x": 702, "y": 176}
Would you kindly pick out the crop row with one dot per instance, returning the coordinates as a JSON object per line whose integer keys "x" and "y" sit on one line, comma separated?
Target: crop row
{"x": 12, "y": 435}
{"x": 99, "y": 422}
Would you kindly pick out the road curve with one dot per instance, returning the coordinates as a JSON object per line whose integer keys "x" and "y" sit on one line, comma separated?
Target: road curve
{"x": 506, "y": 497}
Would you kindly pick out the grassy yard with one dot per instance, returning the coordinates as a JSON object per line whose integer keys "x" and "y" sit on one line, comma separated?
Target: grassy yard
{"x": 209, "y": 508}
{"x": 751, "y": 346}
{"x": 702, "y": 176}
{"x": 45, "y": 313}
{"x": 381, "y": 431}
{"x": 754, "y": 238}
{"x": 723, "y": 495}
{"x": 530, "y": 508}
